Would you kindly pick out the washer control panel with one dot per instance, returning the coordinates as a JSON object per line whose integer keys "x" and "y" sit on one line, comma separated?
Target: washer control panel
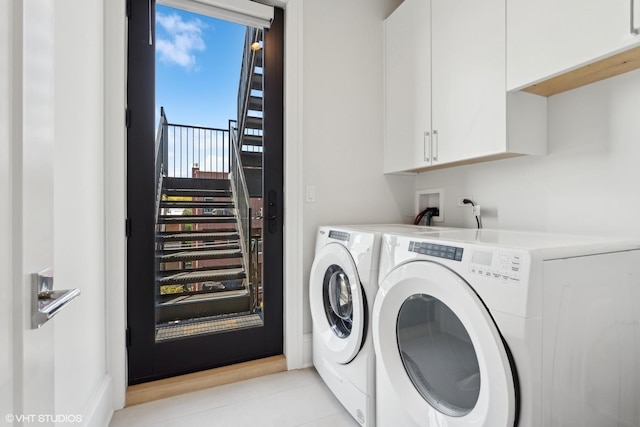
{"x": 504, "y": 266}
{"x": 339, "y": 235}
{"x": 441, "y": 251}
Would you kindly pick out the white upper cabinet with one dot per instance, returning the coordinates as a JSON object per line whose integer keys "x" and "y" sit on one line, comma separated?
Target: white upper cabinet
{"x": 548, "y": 37}
{"x": 468, "y": 92}
{"x": 407, "y": 71}
{"x": 446, "y": 101}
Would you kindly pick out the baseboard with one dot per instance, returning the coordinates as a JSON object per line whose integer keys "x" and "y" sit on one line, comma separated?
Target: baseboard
{"x": 169, "y": 387}
{"x": 307, "y": 351}
{"x": 100, "y": 408}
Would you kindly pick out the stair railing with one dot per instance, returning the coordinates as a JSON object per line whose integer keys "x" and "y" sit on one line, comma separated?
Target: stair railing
{"x": 241, "y": 200}
{"x": 252, "y": 35}
{"x": 162, "y": 156}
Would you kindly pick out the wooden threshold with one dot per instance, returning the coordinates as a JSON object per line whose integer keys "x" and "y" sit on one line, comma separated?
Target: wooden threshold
{"x": 170, "y": 387}
{"x": 599, "y": 70}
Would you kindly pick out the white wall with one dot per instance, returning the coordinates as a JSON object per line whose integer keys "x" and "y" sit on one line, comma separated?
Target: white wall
{"x": 6, "y": 288}
{"x": 342, "y": 122}
{"x": 588, "y": 183}
{"x": 79, "y": 228}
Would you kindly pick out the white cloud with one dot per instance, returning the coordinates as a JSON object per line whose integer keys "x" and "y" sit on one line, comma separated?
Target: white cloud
{"x": 184, "y": 39}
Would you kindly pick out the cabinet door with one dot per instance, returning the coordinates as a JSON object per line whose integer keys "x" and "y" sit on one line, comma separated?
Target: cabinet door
{"x": 546, "y": 37}
{"x": 407, "y": 74}
{"x": 468, "y": 70}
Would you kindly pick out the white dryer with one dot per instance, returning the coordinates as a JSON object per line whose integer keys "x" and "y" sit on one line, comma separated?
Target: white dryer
{"x": 342, "y": 287}
{"x": 504, "y": 328}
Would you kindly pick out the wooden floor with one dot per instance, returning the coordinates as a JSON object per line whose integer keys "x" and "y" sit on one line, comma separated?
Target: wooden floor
{"x": 170, "y": 387}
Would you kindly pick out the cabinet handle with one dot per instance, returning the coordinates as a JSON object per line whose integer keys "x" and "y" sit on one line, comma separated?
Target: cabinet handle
{"x": 634, "y": 30}
{"x": 427, "y": 143}
{"x": 435, "y": 146}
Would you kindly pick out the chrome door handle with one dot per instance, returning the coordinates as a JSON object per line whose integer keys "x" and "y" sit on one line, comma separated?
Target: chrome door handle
{"x": 634, "y": 30}
{"x": 45, "y": 301}
{"x": 426, "y": 143}
{"x": 435, "y": 146}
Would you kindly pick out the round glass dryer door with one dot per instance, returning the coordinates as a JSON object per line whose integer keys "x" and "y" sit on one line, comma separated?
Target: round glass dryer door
{"x": 438, "y": 355}
{"x": 441, "y": 349}
{"x": 337, "y": 303}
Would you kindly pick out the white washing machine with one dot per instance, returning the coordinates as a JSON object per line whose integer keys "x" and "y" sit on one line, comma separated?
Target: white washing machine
{"x": 503, "y": 328}
{"x": 342, "y": 287}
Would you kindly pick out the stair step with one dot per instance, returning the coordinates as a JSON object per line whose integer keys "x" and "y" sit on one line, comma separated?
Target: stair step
{"x": 194, "y": 192}
{"x": 251, "y": 159}
{"x": 195, "y": 219}
{"x": 204, "y": 296}
{"x": 256, "y": 82}
{"x": 208, "y": 325}
{"x": 197, "y": 236}
{"x": 203, "y": 305}
{"x": 188, "y": 255}
{"x": 216, "y": 275}
{"x": 206, "y": 247}
{"x": 195, "y": 204}
{"x": 233, "y": 263}
{"x": 255, "y": 103}
{"x": 196, "y": 183}
{"x": 252, "y": 122}
{"x": 217, "y": 227}
{"x": 252, "y": 140}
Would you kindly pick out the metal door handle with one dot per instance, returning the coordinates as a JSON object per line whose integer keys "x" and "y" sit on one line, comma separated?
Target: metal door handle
{"x": 272, "y": 212}
{"x": 634, "y": 30}
{"x": 45, "y": 301}
{"x": 426, "y": 143}
{"x": 435, "y": 146}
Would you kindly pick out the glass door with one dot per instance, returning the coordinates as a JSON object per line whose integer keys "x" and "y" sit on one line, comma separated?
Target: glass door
{"x": 204, "y": 200}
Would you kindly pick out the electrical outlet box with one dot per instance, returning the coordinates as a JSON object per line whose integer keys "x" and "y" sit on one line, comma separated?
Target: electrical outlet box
{"x": 461, "y": 198}
{"x": 431, "y": 198}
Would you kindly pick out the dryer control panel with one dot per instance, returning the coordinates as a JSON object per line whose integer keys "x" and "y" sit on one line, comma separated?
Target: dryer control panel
{"x": 498, "y": 265}
{"x": 440, "y": 251}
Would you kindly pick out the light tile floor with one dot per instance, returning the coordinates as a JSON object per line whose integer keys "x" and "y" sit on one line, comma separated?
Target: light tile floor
{"x": 292, "y": 398}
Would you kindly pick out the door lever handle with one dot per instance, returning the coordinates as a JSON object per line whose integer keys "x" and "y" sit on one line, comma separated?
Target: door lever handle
{"x": 272, "y": 211}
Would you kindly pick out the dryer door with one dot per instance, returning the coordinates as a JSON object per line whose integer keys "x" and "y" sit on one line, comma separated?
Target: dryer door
{"x": 337, "y": 302}
{"x": 436, "y": 339}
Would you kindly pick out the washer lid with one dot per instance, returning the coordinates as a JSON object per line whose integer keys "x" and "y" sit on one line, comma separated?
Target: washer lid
{"x": 437, "y": 341}
{"x": 337, "y": 302}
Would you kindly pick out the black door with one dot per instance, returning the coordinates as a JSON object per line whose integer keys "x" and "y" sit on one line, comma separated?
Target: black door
{"x": 199, "y": 340}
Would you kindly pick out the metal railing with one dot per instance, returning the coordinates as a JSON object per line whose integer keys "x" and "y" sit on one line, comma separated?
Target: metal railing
{"x": 241, "y": 200}
{"x": 196, "y": 147}
{"x": 161, "y": 157}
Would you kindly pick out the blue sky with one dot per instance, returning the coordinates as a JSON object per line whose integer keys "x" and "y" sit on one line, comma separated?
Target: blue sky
{"x": 197, "y": 67}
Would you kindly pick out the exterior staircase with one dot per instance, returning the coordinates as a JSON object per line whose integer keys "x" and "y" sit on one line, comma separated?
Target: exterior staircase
{"x": 209, "y": 222}
{"x": 250, "y": 110}
{"x": 198, "y": 252}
